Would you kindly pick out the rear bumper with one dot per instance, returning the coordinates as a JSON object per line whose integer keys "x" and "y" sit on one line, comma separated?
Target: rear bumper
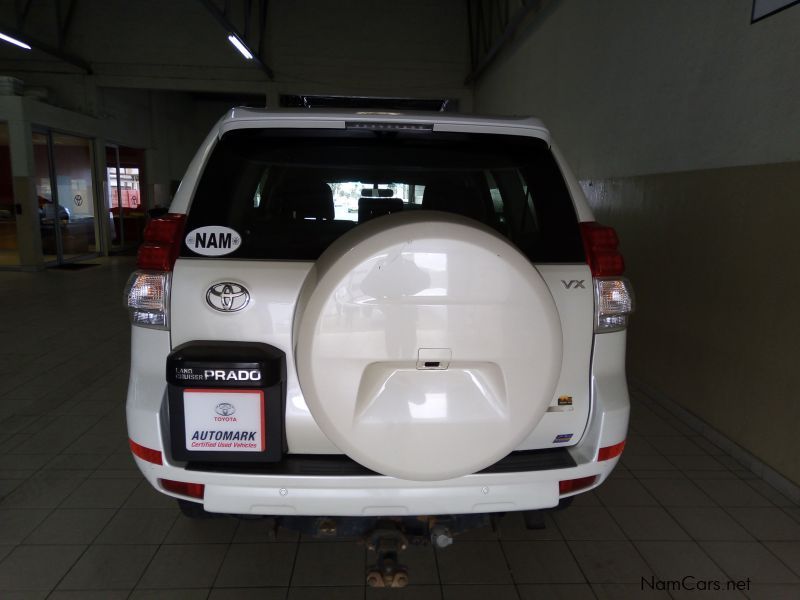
{"x": 377, "y": 495}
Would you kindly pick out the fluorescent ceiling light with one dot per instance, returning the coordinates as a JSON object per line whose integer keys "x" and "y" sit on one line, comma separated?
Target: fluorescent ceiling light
{"x": 240, "y": 46}
{"x": 14, "y": 41}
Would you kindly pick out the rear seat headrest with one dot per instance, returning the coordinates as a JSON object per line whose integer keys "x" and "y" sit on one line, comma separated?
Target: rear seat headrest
{"x": 307, "y": 200}
{"x": 453, "y": 198}
{"x": 379, "y": 193}
{"x": 369, "y": 208}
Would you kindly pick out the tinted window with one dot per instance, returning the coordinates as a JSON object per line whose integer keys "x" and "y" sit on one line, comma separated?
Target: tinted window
{"x": 291, "y": 193}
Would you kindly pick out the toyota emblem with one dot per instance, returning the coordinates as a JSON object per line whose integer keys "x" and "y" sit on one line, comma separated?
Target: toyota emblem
{"x": 227, "y": 297}
{"x": 225, "y": 409}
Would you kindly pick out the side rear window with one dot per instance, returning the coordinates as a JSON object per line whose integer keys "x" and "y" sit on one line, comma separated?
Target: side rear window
{"x": 290, "y": 193}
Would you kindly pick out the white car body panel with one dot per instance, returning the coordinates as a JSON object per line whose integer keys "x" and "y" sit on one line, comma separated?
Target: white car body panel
{"x": 593, "y": 372}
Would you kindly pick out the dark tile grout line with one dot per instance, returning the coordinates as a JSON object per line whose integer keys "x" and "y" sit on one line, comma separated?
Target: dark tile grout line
{"x": 294, "y": 563}
{"x": 508, "y": 564}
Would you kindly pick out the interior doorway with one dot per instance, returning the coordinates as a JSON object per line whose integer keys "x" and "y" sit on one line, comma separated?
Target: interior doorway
{"x": 125, "y": 176}
{"x": 65, "y": 192}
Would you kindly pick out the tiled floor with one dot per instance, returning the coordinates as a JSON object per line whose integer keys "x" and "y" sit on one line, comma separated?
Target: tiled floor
{"x": 78, "y": 521}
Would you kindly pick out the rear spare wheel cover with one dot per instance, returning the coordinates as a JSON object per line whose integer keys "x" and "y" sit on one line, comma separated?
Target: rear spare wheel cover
{"x": 393, "y": 297}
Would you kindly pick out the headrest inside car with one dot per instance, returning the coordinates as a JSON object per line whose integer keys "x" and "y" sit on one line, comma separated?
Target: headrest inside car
{"x": 307, "y": 200}
{"x": 454, "y": 199}
{"x": 369, "y": 208}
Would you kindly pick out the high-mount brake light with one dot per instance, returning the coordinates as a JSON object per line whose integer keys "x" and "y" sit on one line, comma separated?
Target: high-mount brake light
{"x": 162, "y": 243}
{"x": 390, "y": 126}
{"x": 147, "y": 292}
{"x": 613, "y": 295}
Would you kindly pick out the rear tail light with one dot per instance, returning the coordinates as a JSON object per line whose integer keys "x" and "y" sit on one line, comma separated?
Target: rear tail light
{"x": 147, "y": 292}
{"x": 610, "y": 452}
{"x": 162, "y": 243}
{"x": 183, "y": 488}
{"x": 613, "y": 302}
{"x": 573, "y": 485}
{"x": 602, "y": 253}
{"x": 613, "y": 295}
{"x": 147, "y": 299}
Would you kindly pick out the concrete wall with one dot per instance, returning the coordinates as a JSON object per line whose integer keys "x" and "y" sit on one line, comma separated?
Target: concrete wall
{"x": 683, "y": 124}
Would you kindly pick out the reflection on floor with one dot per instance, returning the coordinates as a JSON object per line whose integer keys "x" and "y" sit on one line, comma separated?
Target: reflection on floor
{"x": 76, "y": 517}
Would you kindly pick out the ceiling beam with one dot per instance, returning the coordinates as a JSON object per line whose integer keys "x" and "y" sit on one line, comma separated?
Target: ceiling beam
{"x": 230, "y": 28}
{"x": 36, "y": 44}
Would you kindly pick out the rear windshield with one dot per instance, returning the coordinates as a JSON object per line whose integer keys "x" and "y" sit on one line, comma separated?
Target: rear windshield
{"x": 289, "y": 193}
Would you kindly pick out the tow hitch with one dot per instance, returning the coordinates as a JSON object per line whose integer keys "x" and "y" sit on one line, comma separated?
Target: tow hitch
{"x": 387, "y": 541}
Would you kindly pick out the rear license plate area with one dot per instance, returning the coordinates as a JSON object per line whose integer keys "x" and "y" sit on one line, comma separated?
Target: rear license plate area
{"x": 226, "y": 402}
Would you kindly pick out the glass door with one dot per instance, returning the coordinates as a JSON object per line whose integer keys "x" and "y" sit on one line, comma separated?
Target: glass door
{"x": 9, "y": 251}
{"x": 123, "y": 173}
{"x": 63, "y": 171}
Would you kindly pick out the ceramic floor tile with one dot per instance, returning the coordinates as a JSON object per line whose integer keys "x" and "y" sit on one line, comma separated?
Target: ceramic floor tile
{"x": 40, "y": 491}
{"x": 186, "y": 594}
{"x": 672, "y": 561}
{"x": 627, "y": 591}
{"x": 742, "y": 560}
{"x": 246, "y": 594}
{"x": 330, "y": 564}
{"x": 257, "y": 565}
{"x": 36, "y": 567}
{"x": 732, "y": 492}
{"x": 707, "y": 523}
{"x": 542, "y": 562}
{"x": 71, "y": 526}
{"x": 17, "y": 523}
{"x": 677, "y": 492}
{"x": 88, "y": 595}
{"x": 108, "y": 567}
{"x": 587, "y": 523}
{"x": 202, "y": 531}
{"x": 625, "y": 492}
{"x": 473, "y": 563}
{"x": 96, "y": 493}
{"x": 568, "y": 591}
{"x": 479, "y": 592}
{"x": 412, "y": 592}
{"x": 184, "y": 566}
{"x": 676, "y": 445}
{"x": 787, "y": 552}
{"x": 138, "y": 526}
{"x": 767, "y": 523}
{"x": 610, "y": 561}
{"x": 774, "y": 591}
{"x": 647, "y": 523}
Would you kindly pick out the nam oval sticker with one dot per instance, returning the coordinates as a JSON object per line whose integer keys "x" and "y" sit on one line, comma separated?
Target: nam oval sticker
{"x": 213, "y": 240}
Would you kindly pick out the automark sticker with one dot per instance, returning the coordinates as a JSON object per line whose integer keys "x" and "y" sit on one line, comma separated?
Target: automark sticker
{"x": 221, "y": 420}
{"x": 213, "y": 240}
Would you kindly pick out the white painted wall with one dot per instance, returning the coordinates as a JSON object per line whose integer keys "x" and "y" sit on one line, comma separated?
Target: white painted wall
{"x": 632, "y": 87}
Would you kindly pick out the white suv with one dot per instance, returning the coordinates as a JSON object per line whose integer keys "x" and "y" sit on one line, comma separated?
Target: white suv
{"x": 454, "y": 346}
